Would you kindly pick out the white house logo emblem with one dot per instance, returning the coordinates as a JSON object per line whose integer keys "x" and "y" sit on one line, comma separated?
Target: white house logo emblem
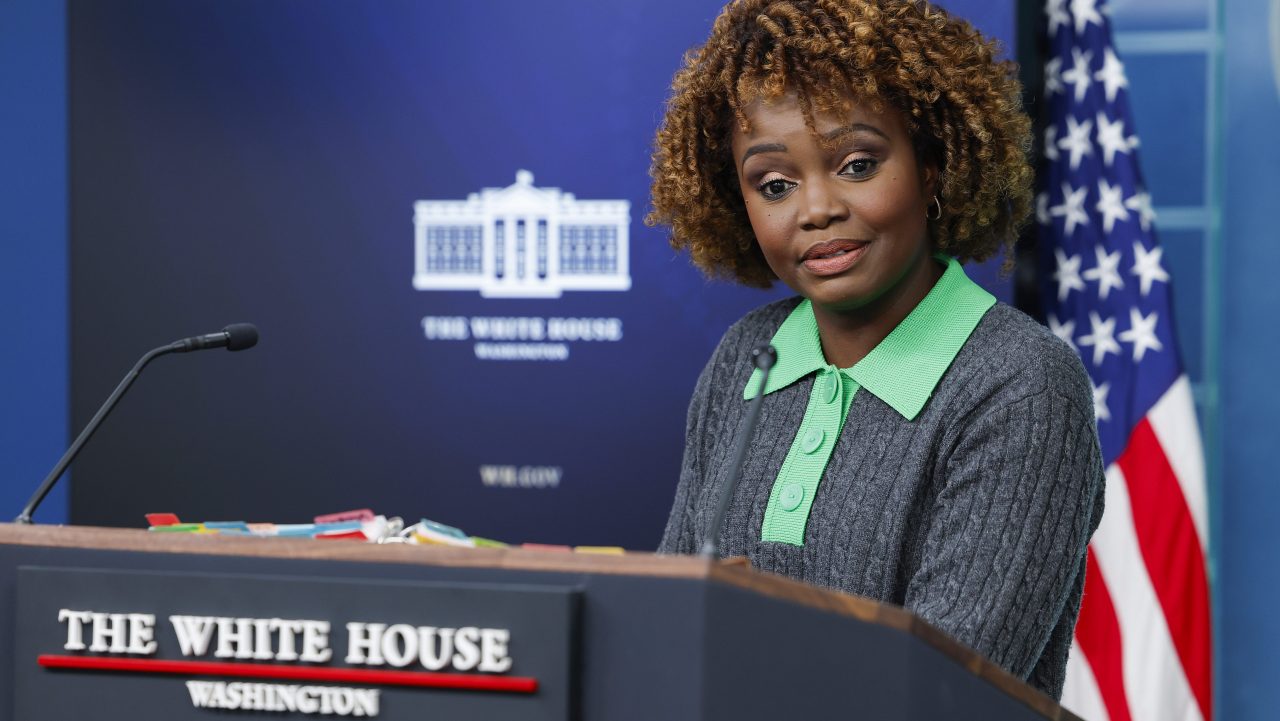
{"x": 521, "y": 242}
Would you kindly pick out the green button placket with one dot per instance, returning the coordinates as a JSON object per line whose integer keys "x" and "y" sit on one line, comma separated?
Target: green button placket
{"x": 791, "y": 497}
{"x": 902, "y": 370}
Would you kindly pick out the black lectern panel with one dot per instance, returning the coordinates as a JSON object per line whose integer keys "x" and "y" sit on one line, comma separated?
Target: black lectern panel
{"x": 138, "y": 626}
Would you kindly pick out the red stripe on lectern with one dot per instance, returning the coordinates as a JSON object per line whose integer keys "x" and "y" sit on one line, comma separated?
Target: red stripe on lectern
{"x": 509, "y": 684}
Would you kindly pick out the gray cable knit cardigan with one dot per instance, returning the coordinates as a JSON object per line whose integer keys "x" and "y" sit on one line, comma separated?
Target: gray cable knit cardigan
{"x": 975, "y": 515}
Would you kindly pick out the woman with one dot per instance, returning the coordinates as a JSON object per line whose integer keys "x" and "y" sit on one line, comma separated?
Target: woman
{"x": 919, "y": 443}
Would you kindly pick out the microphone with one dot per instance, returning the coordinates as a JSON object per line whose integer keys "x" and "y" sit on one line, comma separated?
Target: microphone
{"x": 764, "y": 357}
{"x": 237, "y": 336}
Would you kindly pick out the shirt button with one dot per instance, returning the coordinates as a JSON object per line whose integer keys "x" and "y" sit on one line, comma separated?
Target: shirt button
{"x": 833, "y": 386}
{"x": 791, "y": 496}
{"x": 812, "y": 440}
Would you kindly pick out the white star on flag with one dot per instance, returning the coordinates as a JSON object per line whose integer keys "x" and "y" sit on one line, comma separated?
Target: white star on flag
{"x": 1053, "y": 77}
{"x": 1085, "y": 12}
{"x": 1058, "y": 17}
{"x": 1042, "y": 209}
{"x": 1146, "y": 266}
{"x": 1111, "y": 138}
{"x": 1102, "y": 338}
{"x": 1107, "y": 272}
{"x": 1065, "y": 331}
{"x": 1142, "y": 334}
{"x": 1078, "y": 76}
{"x": 1110, "y": 204}
{"x": 1111, "y": 75}
{"x": 1072, "y": 207}
{"x": 1077, "y": 141}
{"x": 1051, "y": 142}
{"x": 1100, "y": 410}
{"x": 1141, "y": 202}
{"x": 1067, "y": 275}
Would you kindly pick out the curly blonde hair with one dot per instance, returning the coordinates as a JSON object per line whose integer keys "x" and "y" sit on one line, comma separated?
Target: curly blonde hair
{"x": 962, "y": 108}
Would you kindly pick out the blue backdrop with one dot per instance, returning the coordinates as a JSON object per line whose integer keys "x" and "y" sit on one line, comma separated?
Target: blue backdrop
{"x": 1249, "y": 576}
{"x": 244, "y": 160}
{"x": 33, "y": 251}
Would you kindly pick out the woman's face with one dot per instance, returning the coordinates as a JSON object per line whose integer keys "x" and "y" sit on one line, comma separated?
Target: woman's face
{"x": 842, "y": 225}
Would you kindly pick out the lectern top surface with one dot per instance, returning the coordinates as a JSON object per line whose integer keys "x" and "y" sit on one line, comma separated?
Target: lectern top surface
{"x": 129, "y": 539}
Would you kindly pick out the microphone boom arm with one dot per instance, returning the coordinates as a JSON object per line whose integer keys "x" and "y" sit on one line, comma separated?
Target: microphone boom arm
{"x": 235, "y": 337}
{"x": 38, "y": 497}
{"x": 763, "y": 358}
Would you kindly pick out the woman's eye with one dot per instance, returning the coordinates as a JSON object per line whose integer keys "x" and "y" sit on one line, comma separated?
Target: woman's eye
{"x": 776, "y": 188}
{"x": 859, "y": 167}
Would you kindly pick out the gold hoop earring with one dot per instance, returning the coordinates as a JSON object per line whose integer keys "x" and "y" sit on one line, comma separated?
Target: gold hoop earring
{"x": 936, "y": 203}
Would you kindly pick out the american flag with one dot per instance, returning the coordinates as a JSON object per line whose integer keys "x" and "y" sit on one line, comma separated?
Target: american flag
{"x": 1142, "y": 647}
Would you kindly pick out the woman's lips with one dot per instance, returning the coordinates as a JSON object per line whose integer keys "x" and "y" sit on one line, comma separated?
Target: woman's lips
{"x": 833, "y": 257}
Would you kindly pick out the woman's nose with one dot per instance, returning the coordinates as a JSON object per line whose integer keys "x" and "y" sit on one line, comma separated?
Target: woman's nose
{"x": 821, "y": 205}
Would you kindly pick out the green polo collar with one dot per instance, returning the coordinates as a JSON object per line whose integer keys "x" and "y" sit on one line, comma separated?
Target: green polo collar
{"x": 906, "y": 366}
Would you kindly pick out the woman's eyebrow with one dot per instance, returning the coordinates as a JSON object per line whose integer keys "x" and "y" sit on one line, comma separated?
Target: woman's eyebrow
{"x": 762, "y": 148}
{"x": 844, "y": 130}
{"x": 830, "y": 135}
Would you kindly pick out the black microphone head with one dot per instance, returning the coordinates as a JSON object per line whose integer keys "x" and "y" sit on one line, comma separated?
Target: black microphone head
{"x": 241, "y": 336}
{"x": 764, "y": 356}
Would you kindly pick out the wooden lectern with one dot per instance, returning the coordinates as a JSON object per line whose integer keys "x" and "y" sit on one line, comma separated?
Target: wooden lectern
{"x": 126, "y": 624}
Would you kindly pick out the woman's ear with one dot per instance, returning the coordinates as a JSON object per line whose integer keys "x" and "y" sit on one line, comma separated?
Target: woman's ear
{"x": 930, "y": 180}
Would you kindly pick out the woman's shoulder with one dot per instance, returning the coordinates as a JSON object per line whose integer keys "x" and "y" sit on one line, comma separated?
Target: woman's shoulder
{"x": 1012, "y": 354}
{"x": 729, "y": 367}
{"x": 756, "y": 327}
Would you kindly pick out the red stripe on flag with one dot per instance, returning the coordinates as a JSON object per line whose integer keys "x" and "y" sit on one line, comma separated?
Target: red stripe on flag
{"x": 471, "y": 682}
{"x": 1171, "y": 550}
{"x": 1098, "y": 635}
